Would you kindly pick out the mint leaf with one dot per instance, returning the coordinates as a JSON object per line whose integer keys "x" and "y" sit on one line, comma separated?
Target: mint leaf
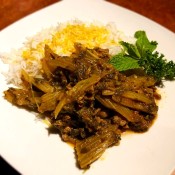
{"x": 131, "y": 49}
{"x": 143, "y": 44}
{"x": 122, "y": 62}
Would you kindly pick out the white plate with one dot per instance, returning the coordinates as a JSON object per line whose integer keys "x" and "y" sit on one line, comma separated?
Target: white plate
{"x": 24, "y": 141}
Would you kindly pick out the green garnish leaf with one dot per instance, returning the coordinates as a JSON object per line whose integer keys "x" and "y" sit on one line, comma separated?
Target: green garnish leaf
{"x": 142, "y": 55}
{"x": 119, "y": 62}
{"x": 157, "y": 66}
{"x": 143, "y": 44}
{"x": 131, "y": 49}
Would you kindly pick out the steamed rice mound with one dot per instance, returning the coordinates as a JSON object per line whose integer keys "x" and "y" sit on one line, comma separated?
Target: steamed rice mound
{"x": 61, "y": 40}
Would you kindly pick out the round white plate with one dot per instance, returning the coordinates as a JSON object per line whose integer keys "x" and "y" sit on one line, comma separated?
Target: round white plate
{"x": 24, "y": 141}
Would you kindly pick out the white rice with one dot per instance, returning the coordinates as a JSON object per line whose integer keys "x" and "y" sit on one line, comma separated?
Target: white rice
{"x": 16, "y": 60}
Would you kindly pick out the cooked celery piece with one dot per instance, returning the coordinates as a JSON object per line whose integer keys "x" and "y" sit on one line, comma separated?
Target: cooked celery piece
{"x": 40, "y": 83}
{"x": 137, "y": 96}
{"x": 90, "y": 149}
{"x": 129, "y": 114}
{"x": 140, "y": 106}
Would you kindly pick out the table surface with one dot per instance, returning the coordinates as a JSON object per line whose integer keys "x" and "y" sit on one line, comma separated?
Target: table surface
{"x": 161, "y": 11}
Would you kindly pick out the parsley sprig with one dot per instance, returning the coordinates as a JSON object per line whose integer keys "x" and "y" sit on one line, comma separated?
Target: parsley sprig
{"x": 142, "y": 55}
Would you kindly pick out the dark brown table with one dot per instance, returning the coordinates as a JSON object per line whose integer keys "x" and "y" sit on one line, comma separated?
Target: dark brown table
{"x": 161, "y": 11}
